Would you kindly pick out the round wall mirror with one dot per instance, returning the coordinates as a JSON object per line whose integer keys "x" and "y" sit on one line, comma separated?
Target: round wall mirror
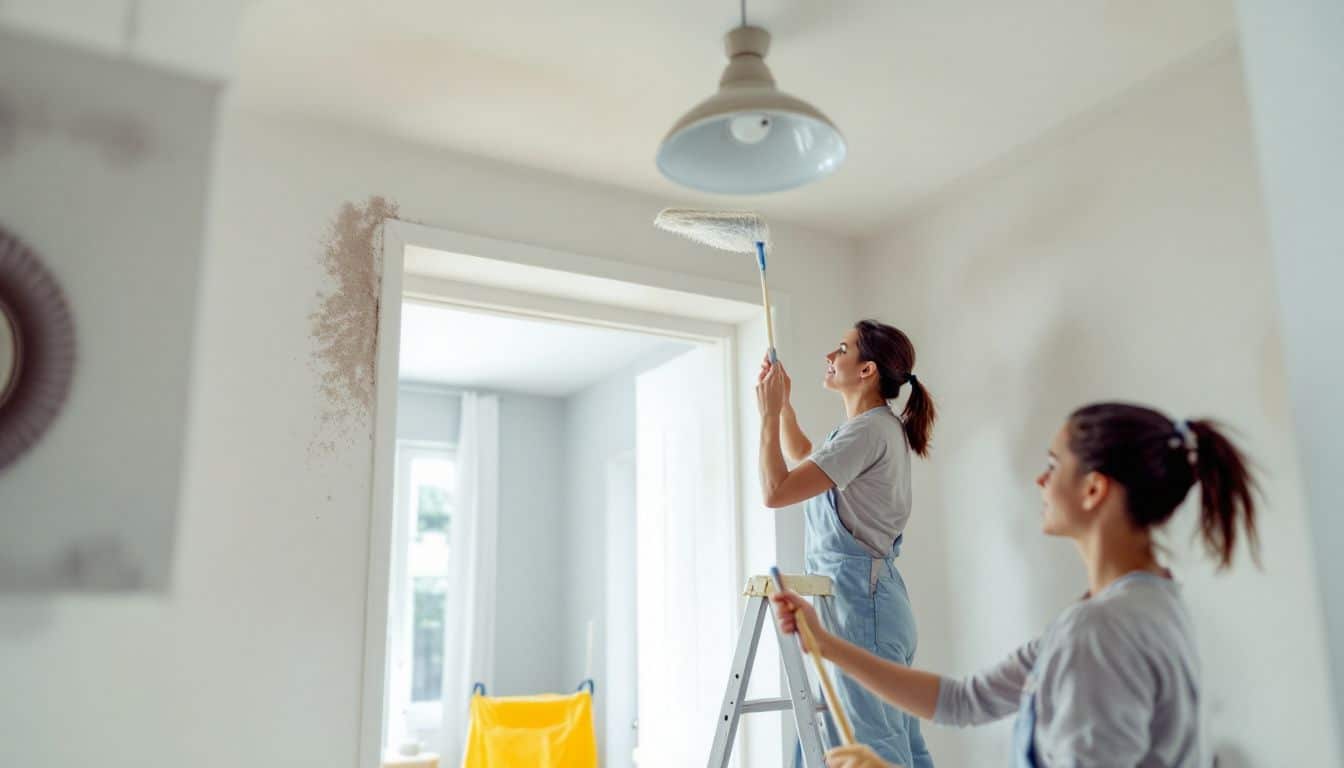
{"x": 37, "y": 348}
{"x": 10, "y": 360}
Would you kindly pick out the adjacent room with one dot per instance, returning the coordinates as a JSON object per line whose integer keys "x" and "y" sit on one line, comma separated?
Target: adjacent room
{"x": 528, "y": 461}
{"x": 751, "y": 384}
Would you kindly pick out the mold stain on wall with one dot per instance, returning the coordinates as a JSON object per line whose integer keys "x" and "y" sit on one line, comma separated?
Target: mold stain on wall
{"x": 344, "y": 326}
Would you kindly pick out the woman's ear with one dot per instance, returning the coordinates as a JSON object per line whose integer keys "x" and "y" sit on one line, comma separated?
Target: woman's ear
{"x": 1095, "y": 488}
{"x": 868, "y": 369}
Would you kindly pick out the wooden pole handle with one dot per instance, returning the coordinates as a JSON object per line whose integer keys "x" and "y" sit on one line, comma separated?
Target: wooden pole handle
{"x": 837, "y": 710}
{"x": 769, "y": 319}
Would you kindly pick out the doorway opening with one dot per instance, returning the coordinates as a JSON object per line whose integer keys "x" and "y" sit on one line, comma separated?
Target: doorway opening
{"x": 557, "y": 496}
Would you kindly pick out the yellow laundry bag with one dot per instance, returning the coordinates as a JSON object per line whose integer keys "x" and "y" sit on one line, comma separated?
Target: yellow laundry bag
{"x": 544, "y": 731}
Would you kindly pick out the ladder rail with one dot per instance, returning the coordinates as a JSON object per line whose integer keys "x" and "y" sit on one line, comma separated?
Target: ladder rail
{"x": 809, "y": 710}
{"x": 800, "y": 690}
{"x": 749, "y": 636}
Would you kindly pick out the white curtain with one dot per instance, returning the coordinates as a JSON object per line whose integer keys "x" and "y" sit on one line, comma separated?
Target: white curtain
{"x": 686, "y": 562}
{"x": 469, "y": 641}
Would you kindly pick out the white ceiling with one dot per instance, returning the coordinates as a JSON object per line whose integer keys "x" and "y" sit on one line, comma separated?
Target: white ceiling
{"x": 474, "y": 350}
{"x": 924, "y": 91}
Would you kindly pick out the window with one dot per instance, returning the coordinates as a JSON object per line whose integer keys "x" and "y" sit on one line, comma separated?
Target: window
{"x": 426, "y": 492}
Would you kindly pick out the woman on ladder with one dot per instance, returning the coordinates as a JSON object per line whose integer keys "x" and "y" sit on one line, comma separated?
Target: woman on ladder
{"x": 857, "y": 492}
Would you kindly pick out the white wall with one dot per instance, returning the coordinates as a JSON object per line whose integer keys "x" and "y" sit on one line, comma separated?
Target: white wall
{"x": 530, "y": 594}
{"x": 1125, "y": 256}
{"x": 599, "y": 546}
{"x": 255, "y": 655}
{"x": 430, "y": 413}
{"x": 1295, "y": 73}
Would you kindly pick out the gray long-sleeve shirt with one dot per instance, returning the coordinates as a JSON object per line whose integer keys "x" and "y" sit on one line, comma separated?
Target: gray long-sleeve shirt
{"x": 1116, "y": 681}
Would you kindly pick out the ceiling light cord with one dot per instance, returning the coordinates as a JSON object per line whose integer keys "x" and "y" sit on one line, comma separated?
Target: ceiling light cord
{"x": 130, "y": 27}
{"x": 744, "y": 13}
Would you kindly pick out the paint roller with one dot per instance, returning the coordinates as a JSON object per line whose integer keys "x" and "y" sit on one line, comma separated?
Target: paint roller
{"x": 736, "y": 232}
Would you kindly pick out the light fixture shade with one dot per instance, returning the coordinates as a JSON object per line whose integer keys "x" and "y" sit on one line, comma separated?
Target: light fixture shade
{"x": 749, "y": 138}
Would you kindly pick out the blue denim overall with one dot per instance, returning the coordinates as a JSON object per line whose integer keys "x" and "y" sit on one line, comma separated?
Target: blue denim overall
{"x": 873, "y": 610}
{"x": 1024, "y": 748}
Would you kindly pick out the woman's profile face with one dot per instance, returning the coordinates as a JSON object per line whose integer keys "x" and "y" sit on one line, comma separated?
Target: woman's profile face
{"x": 843, "y": 369}
{"x": 1062, "y": 489}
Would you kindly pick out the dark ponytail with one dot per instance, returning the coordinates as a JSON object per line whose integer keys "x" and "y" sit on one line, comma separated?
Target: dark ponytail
{"x": 918, "y": 417}
{"x": 1225, "y": 493}
{"x": 894, "y": 355}
{"x": 1157, "y": 460}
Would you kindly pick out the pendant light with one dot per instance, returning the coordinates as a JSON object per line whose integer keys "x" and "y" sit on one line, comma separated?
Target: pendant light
{"x": 750, "y": 138}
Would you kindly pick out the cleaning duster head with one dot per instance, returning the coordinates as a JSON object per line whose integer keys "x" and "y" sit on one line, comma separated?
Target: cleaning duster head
{"x": 726, "y": 230}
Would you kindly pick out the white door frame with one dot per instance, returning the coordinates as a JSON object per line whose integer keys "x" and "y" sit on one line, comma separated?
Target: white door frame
{"x": 397, "y": 286}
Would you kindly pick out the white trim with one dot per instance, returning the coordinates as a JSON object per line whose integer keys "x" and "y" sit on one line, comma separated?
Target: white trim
{"x": 746, "y": 292}
{"x": 373, "y": 690}
{"x": 508, "y": 303}
{"x": 420, "y": 387}
{"x": 417, "y": 445}
{"x": 423, "y": 715}
{"x": 732, "y": 400}
{"x": 397, "y": 236}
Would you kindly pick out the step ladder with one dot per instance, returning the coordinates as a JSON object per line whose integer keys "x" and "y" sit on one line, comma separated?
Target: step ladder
{"x": 809, "y": 710}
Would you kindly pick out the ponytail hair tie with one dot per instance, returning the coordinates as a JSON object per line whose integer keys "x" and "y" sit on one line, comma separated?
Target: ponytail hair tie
{"x": 1186, "y": 438}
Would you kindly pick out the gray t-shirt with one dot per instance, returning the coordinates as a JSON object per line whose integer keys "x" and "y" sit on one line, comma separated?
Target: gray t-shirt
{"x": 1116, "y": 679}
{"x": 868, "y": 459}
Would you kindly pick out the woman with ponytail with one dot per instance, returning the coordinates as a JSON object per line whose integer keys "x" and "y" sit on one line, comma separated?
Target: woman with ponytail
{"x": 857, "y": 492}
{"x": 1115, "y": 679}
